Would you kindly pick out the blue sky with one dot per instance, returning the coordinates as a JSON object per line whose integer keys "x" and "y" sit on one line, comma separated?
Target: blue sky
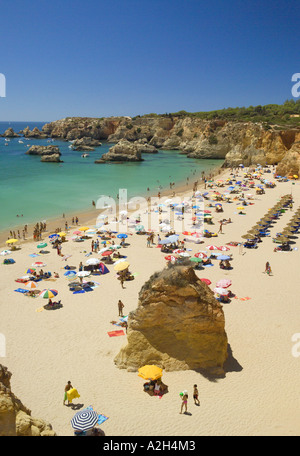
{"x": 95, "y": 58}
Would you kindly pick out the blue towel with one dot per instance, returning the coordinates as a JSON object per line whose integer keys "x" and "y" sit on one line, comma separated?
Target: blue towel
{"x": 21, "y": 290}
{"x": 207, "y": 265}
{"x": 79, "y": 291}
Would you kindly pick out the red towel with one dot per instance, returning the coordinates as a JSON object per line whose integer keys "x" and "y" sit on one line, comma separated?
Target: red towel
{"x": 116, "y": 333}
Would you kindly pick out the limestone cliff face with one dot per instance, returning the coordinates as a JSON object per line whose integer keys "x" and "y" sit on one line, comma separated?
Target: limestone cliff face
{"x": 9, "y": 133}
{"x": 290, "y": 164}
{"x": 234, "y": 142}
{"x": 177, "y": 325}
{"x": 15, "y": 418}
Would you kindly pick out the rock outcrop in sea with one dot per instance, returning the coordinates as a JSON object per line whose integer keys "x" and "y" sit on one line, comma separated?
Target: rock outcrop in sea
{"x": 15, "y": 418}
{"x": 48, "y": 153}
{"x": 35, "y": 133}
{"x": 177, "y": 325}
{"x": 123, "y": 151}
{"x": 85, "y": 144}
{"x": 9, "y": 133}
{"x": 236, "y": 143}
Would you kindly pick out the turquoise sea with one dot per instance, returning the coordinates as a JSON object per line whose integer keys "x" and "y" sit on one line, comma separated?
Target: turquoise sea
{"x": 41, "y": 191}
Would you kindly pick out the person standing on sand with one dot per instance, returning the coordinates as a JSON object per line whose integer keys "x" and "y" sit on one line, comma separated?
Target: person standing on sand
{"x": 67, "y": 388}
{"x": 268, "y": 269}
{"x": 184, "y": 397}
{"x": 220, "y": 229}
{"x": 122, "y": 280}
{"x": 195, "y": 395}
{"x": 120, "y": 308}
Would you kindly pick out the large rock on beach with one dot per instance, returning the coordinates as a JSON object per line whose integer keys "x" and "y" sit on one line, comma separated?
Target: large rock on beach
{"x": 48, "y": 153}
{"x": 15, "y": 418}
{"x": 177, "y": 325}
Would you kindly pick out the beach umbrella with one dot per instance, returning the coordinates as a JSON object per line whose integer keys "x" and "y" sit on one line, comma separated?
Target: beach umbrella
{"x": 107, "y": 253}
{"x": 224, "y": 283}
{"x": 47, "y": 294}
{"x": 121, "y": 266}
{"x": 221, "y": 291}
{"x": 176, "y": 251}
{"x": 196, "y": 260}
{"x": 173, "y": 238}
{"x": 77, "y": 232}
{"x": 120, "y": 261}
{"x": 42, "y": 245}
{"x": 93, "y": 261}
{"x": 200, "y": 255}
{"x": 84, "y": 420}
{"x": 11, "y": 241}
{"x": 70, "y": 274}
{"x": 223, "y": 248}
{"x": 184, "y": 254}
{"x": 62, "y": 234}
{"x": 31, "y": 285}
{"x": 212, "y": 247}
{"x": 139, "y": 227}
{"x": 248, "y": 236}
{"x": 83, "y": 273}
{"x": 52, "y": 237}
{"x": 207, "y": 281}
{"x": 30, "y": 271}
{"x": 5, "y": 252}
{"x": 122, "y": 236}
{"x": 83, "y": 228}
{"x": 223, "y": 257}
{"x": 170, "y": 258}
{"x": 150, "y": 372}
{"x": 39, "y": 264}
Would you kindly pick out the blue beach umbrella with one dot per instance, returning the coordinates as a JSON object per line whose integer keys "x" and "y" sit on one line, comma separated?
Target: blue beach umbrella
{"x": 84, "y": 420}
{"x": 122, "y": 235}
{"x": 70, "y": 274}
{"x": 223, "y": 257}
{"x": 53, "y": 237}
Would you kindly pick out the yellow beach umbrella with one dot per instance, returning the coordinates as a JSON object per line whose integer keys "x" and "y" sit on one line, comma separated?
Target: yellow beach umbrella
{"x": 83, "y": 228}
{"x": 150, "y": 372}
{"x": 121, "y": 266}
{"x": 241, "y": 207}
{"x": 62, "y": 234}
{"x": 11, "y": 241}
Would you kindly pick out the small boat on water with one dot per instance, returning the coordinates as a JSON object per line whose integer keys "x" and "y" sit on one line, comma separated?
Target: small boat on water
{"x": 85, "y": 155}
{"x": 21, "y": 142}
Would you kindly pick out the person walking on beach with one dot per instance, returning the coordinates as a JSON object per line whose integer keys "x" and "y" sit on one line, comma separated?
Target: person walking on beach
{"x": 220, "y": 229}
{"x": 148, "y": 241}
{"x": 122, "y": 280}
{"x": 268, "y": 269}
{"x": 120, "y": 308}
{"x": 67, "y": 388}
{"x": 195, "y": 395}
{"x": 184, "y": 397}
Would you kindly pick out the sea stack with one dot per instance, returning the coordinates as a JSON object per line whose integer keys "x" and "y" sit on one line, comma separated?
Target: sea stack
{"x": 47, "y": 153}
{"x": 177, "y": 325}
{"x": 123, "y": 151}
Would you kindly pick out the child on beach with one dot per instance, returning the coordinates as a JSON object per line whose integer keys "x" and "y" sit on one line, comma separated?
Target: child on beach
{"x": 184, "y": 397}
{"x": 195, "y": 396}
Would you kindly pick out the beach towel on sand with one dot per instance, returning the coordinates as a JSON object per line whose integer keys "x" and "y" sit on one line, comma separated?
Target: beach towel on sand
{"x": 72, "y": 394}
{"x": 101, "y": 418}
{"x": 21, "y": 290}
{"x": 116, "y": 333}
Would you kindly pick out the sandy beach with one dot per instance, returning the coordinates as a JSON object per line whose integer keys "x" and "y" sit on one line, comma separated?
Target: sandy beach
{"x": 258, "y": 396}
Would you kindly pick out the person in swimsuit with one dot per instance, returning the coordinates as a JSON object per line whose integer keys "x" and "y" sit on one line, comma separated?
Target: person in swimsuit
{"x": 184, "y": 401}
{"x": 195, "y": 395}
{"x": 67, "y": 388}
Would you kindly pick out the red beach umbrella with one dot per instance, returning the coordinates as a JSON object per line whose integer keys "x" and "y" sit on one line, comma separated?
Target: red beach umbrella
{"x": 200, "y": 255}
{"x": 170, "y": 258}
{"x": 207, "y": 281}
{"x": 107, "y": 253}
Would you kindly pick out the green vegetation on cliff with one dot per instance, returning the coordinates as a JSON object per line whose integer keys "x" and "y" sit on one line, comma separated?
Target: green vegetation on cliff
{"x": 271, "y": 114}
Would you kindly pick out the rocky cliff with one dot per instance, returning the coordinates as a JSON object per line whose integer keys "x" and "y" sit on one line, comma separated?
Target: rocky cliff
{"x": 177, "y": 325}
{"x": 123, "y": 151}
{"x": 15, "y": 418}
{"x": 234, "y": 142}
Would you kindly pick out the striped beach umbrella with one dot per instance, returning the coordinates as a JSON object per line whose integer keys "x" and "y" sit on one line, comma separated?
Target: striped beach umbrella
{"x": 31, "y": 285}
{"x": 170, "y": 258}
{"x": 84, "y": 420}
{"x": 70, "y": 274}
{"x": 224, "y": 248}
{"x": 207, "y": 281}
{"x": 47, "y": 294}
{"x": 212, "y": 247}
{"x": 39, "y": 264}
